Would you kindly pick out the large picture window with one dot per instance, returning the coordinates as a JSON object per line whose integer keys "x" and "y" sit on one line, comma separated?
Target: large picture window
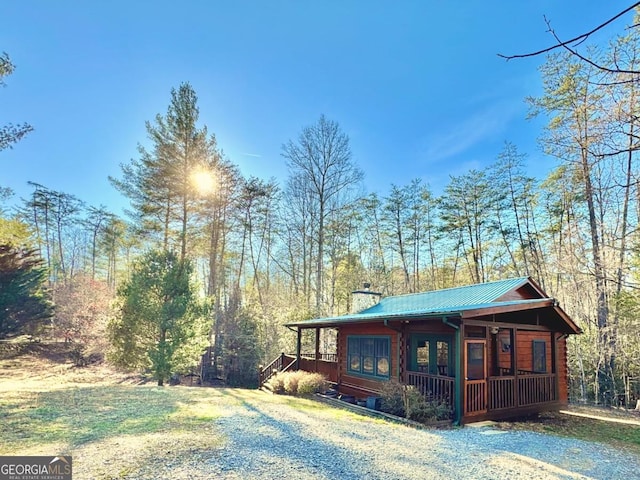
{"x": 369, "y": 356}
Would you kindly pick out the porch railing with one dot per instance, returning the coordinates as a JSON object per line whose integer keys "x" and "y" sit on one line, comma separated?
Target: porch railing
{"x": 531, "y": 389}
{"x": 534, "y": 389}
{"x": 327, "y": 364}
{"x": 435, "y": 388}
{"x": 326, "y": 357}
{"x": 329, "y": 368}
{"x": 475, "y": 397}
{"x": 502, "y": 393}
{"x": 280, "y": 364}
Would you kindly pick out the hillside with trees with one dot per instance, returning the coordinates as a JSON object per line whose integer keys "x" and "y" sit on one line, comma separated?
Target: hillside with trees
{"x": 262, "y": 253}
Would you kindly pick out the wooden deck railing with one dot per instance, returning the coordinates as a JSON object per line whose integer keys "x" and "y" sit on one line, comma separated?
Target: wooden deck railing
{"x": 501, "y": 392}
{"x": 280, "y": 364}
{"x": 536, "y": 388}
{"x": 531, "y": 389}
{"x": 475, "y": 398}
{"x": 327, "y": 365}
{"x": 326, "y": 357}
{"x": 435, "y": 388}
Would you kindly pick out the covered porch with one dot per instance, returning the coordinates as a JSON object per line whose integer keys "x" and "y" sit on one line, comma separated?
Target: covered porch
{"x": 487, "y": 351}
{"x": 480, "y": 369}
{"x": 500, "y": 372}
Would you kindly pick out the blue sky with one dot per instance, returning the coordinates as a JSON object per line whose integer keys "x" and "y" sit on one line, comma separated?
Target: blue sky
{"x": 416, "y": 85}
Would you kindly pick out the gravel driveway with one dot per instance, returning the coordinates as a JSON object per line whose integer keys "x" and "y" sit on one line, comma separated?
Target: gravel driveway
{"x": 279, "y": 440}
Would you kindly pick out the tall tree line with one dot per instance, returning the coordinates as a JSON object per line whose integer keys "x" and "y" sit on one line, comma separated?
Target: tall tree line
{"x": 266, "y": 254}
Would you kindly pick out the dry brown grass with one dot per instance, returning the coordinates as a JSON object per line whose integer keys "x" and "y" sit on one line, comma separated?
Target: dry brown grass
{"x": 46, "y": 367}
{"x": 594, "y": 424}
{"x": 112, "y": 423}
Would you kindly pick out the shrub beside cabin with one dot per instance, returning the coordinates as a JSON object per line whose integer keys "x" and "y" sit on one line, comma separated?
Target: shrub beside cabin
{"x": 490, "y": 351}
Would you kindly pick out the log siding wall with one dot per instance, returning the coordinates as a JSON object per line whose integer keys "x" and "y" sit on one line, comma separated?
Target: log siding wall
{"x": 360, "y": 385}
{"x": 522, "y": 346}
{"x": 562, "y": 371}
{"x": 524, "y": 350}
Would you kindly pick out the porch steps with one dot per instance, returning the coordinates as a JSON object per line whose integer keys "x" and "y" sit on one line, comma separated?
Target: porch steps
{"x": 266, "y": 389}
{"x": 280, "y": 364}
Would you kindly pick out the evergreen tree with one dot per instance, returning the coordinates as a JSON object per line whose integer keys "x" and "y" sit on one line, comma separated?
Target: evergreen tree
{"x": 24, "y": 304}
{"x": 10, "y": 133}
{"x": 160, "y": 183}
{"x": 465, "y": 210}
{"x": 160, "y": 325}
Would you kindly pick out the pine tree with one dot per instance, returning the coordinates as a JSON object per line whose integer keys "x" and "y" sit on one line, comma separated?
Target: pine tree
{"x": 161, "y": 325}
{"x": 160, "y": 182}
{"x": 24, "y": 303}
{"x": 10, "y": 133}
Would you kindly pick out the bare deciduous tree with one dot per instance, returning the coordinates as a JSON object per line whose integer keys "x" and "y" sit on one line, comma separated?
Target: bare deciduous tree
{"x": 572, "y": 44}
{"x": 321, "y": 160}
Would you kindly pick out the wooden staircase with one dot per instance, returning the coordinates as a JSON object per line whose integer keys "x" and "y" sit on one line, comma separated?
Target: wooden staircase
{"x": 282, "y": 363}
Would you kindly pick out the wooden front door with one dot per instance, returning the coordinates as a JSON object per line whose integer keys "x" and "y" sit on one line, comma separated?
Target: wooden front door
{"x": 475, "y": 374}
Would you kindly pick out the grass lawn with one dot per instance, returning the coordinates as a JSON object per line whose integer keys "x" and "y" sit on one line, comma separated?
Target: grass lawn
{"x": 615, "y": 434}
{"x": 111, "y": 423}
{"x": 107, "y": 421}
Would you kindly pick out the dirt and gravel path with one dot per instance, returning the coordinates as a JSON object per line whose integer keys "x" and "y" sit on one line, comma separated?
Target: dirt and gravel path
{"x": 282, "y": 440}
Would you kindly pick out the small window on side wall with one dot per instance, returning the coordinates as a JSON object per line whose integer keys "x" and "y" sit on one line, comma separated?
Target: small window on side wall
{"x": 539, "y": 356}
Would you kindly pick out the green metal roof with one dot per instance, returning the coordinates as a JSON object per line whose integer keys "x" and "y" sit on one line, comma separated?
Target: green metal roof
{"x": 450, "y": 302}
{"x": 449, "y": 298}
{"x": 367, "y": 316}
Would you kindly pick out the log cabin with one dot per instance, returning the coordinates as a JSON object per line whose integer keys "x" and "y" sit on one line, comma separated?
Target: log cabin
{"x": 490, "y": 351}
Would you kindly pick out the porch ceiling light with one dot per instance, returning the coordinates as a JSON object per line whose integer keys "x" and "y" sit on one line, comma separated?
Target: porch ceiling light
{"x": 494, "y": 330}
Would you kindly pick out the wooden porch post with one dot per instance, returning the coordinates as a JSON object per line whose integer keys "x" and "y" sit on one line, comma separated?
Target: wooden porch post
{"x": 514, "y": 364}
{"x": 459, "y": 384}
{"x": 403, "y": 338}
{"x": 494, "y": 355}
{"x": 317, "y": 346}
{"x": 298, "y": 348}
{"x": 554, "y": 364}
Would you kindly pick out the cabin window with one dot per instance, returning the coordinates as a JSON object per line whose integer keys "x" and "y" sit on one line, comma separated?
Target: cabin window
{"x": 422, "y": 357}
{"x": 539, "y": 356}
{"x": 443, "y": 357}
{"x": 431, "y": 354}
{"x": 369, "y": 356}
